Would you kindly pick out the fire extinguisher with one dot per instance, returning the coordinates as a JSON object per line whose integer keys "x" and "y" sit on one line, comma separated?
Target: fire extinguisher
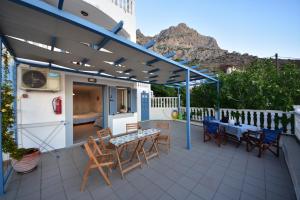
{"x": 57, "y": 105}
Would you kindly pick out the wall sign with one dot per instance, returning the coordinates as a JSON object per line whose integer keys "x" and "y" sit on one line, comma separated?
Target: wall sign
{"x": 92, "y": 80}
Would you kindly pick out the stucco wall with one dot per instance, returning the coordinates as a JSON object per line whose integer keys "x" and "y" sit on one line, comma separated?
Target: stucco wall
{"x": 36, "y": 110}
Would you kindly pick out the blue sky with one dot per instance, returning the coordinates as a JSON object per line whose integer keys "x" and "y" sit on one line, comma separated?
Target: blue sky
{"x": 257, "y": 27}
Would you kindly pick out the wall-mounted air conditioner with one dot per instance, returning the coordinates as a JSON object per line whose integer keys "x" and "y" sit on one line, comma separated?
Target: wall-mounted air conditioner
{"x": 40, "y": 80}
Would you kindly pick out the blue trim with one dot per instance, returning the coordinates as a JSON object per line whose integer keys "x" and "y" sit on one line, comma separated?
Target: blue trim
{"x": 60, "y": 4}
{"x": 119, "y": 61}
{"x": 85, "y": 24}
{"x": 1, "y": 158}
{"x": 188, "y": 108}
{"x": 149, "y": 44}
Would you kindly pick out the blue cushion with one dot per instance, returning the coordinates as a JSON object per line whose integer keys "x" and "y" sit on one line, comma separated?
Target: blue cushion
{"x": 212, "y": 127}
{"x": 271, "y": 135}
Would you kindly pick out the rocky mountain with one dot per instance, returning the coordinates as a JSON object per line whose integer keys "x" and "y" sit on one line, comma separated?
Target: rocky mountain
{"x": 199, "y": 49}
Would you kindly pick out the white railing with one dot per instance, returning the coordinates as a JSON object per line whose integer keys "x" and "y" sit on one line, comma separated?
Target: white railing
{"x": 261, "y": 118}
{"x": 161, "y": 107}
{"x": 164, "y": 102}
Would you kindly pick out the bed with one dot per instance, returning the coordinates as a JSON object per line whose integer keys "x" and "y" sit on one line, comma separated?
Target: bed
{"x": 85, "y": 118}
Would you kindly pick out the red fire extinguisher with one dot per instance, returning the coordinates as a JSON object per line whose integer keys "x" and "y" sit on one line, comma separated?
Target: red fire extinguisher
{"x": 57, "y": 105}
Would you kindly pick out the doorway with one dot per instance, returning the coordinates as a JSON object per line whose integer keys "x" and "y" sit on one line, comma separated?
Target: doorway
{"x": 87, "y": 111}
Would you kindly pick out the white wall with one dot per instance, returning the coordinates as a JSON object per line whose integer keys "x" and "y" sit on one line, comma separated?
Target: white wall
{"x": 36, "y": 110}
{"x": 118, "y": 122}
{"x": 117, "y": 13}
{"x": 161, "y": 113}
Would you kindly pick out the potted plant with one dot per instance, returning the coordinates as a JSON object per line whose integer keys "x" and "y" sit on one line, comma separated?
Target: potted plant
{"x": 23, "y": 160}
{"x": 123, "y": 109}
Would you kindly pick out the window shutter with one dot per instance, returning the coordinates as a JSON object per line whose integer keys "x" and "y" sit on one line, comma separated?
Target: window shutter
{"x": 112, "y": 100}
{"x": 133, "y": 100}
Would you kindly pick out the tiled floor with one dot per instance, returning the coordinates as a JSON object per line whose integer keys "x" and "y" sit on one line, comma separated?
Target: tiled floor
{"x": 205, "y": 172}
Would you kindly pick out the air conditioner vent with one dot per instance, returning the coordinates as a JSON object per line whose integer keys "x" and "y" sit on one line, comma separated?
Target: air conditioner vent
{"x": 40, "y": 79}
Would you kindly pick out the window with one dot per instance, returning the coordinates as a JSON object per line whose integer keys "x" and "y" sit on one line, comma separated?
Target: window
{"x": 122, "y": 100}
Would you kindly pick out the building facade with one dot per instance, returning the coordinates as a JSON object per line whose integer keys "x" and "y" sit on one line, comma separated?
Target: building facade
{"x": 69, "y": 107}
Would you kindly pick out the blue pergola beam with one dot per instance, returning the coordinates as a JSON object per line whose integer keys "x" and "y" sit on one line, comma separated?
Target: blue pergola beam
{"x": 149, "y": 44}
{"x": 154, "y": 76}
{"x": 62, "y": 15}
{"x": 183, "y": 62}
{"x": 153, "y": 70}
{"x": 188, "y": 107}
{"x": 114, "y": 30}
{"x": 175, "y": 76}
{"x": 167, "y": 55}
{"x": 53, "y": 42}
{"x": 60, "y": 4}
{"x": 127, "y": 71}
{"x": 119, "y": 61}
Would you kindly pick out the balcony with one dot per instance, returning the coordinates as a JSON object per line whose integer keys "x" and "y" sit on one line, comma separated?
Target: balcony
{"x": 205, "y": 172}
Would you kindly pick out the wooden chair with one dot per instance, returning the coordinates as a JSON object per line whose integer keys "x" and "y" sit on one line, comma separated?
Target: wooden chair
{"x": 164, "y": 138}
{"x": 132, "y": 127}
{"x": 268, "y": 140}
{"x": 211, "y": 131}
{"x": 97, "y": 160}
{"x": 103, "y": 135}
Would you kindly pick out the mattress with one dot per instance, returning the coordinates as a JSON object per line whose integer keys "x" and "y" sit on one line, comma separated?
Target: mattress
{"x": 85, "y": 118}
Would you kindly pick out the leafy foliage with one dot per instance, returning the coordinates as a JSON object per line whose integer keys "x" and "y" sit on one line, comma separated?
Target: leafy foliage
{"x": 259, "y": 86}
{"x": 8, "y": 142}
{"x": 162, "y": 91}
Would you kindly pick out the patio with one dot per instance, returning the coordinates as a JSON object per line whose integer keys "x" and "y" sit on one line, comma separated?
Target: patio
{"x": 204, "y": 172}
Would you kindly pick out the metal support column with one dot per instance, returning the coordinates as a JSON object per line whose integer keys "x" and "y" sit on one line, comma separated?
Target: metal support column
{"x": 218, "y": 100}
{"x": 179, "y": 101}
{"x": 188, "y": 118}
{"x": 1, "y": 158}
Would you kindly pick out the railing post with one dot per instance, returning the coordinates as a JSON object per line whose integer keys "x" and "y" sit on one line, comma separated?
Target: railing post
{"x": 188, "y": 120}
{"x": 1, "y": 158}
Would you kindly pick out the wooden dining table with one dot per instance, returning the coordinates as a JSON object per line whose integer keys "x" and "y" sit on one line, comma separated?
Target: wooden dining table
{"x": 137, "y": 140}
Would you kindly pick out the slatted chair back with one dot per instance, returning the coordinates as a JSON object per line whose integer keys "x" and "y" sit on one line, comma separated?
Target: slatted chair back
{"x": 270, "y": 136}
{"x": 164, "y": 137}
{"x": 103, "y": 135}
{"x": 269, "y": 140}
{"x": 132, "y": 127}
{"x": 212, "y": 128}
